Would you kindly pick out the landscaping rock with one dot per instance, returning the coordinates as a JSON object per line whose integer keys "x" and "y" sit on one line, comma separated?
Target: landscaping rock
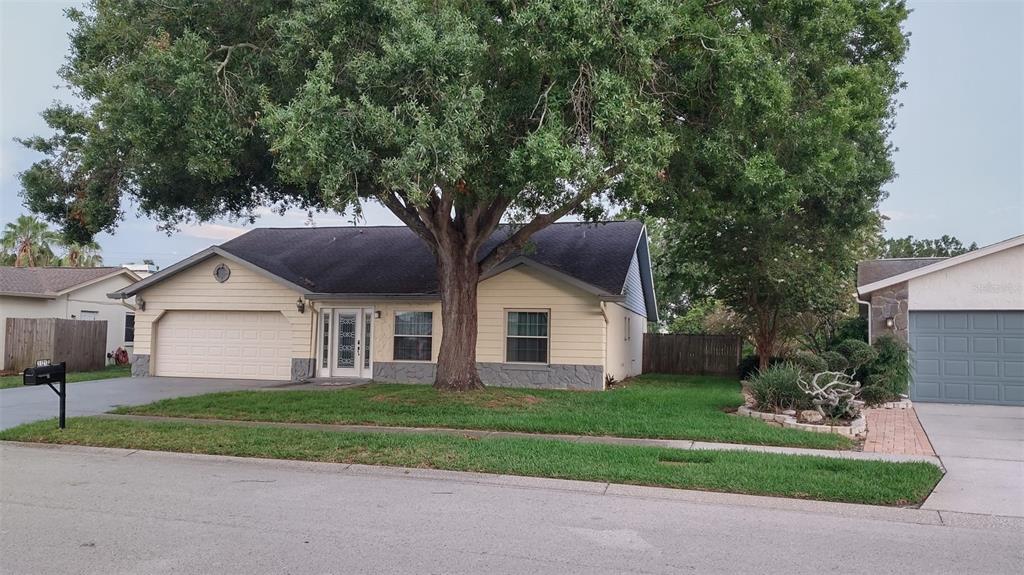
{"x": 811, "y": 416}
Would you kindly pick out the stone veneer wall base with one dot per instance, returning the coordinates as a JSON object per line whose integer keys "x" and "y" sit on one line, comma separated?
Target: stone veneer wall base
{"x": 303, "y": 368}
{"x": 140, "y": 365}
{"x": 551, "y": 376}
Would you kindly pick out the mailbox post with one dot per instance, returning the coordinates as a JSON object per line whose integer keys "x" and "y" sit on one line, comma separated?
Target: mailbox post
{"x": 50, "y": 375}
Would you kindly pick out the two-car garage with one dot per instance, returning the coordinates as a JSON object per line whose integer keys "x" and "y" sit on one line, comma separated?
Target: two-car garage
{"x": 963, "y": 318}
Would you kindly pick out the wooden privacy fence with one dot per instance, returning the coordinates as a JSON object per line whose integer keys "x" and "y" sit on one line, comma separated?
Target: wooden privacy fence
{"x": 691, "y": 354}
{"x": 80, "y": 343}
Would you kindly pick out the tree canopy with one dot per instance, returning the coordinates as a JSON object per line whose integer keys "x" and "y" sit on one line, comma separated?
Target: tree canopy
{"x": 765, "y": 121}
{"x": 910, "y": 247}
{"x": 454, "y": 116}
{"x": 776, "y": 188}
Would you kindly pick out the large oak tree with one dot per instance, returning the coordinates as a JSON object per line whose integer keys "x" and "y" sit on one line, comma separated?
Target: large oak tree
{"x": 454, "y": 115}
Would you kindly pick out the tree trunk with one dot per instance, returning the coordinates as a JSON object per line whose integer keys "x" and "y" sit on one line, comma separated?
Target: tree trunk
{"x": 458, "y": 274}
{"x": 764, "y": 340}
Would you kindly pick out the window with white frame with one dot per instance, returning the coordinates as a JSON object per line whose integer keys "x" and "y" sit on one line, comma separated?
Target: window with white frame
{"x": 526, "y": 336}
{"x": 88, "y": 314}
{"x": 413, "y": 335}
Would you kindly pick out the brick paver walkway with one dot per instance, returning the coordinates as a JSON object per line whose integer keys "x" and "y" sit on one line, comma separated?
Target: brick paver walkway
{"x": 896, "y": 431}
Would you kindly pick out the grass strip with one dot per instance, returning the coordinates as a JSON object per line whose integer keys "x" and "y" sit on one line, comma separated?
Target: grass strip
{"x": 805, "y": 477}
{"x": 651, "y": 406}
{"x": 108, "y": 372}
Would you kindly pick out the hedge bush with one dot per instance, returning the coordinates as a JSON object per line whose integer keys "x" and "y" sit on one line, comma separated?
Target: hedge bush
{"x": 888, "y": 376}
{"x": 857, "y": 353}
{"x": 835, "y": 361}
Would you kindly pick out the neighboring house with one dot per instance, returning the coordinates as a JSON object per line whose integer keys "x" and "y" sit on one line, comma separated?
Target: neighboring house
{"x": 69, "y": 293}
{"x": 142, "y": 270}
{"x": 963, "y": 318}
{"x": 362, "y": 302}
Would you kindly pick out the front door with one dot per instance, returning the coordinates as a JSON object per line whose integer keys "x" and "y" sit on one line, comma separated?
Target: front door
{"x": 344, "y": 342}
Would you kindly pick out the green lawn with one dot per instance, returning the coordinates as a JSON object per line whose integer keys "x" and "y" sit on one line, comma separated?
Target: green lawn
{"x": 806, "y": 477}
{"x": 105, "y": 373}
{"x": 653, "y": 406}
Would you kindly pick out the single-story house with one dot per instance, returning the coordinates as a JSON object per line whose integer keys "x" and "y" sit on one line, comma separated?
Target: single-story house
{"x": 963, "y": 318}
{"x": 568, "y": 312}
{"x": 69, "y": 293}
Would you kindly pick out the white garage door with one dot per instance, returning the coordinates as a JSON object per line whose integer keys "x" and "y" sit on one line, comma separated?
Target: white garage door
{"x": 223, "y": 344}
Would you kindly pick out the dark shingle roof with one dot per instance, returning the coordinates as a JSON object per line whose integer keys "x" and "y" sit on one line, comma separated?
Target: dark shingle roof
{"x": 47, "y": 281}
{"x": 393, "y": 260}
{"x": 871, "y": 271}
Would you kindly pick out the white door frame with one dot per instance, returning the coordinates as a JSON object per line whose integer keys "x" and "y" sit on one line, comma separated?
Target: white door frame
{"x": 328, "y": 345}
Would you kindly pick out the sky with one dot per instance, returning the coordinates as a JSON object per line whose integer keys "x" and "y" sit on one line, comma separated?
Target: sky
{"x": 959, "y": 134}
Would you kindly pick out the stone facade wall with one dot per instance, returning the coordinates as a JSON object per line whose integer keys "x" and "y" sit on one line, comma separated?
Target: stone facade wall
{"x": 554, "y": 376}
{"x": 140, "y": 365}
{"x": 890, "y": 302}
{"x": 303, "y": 368}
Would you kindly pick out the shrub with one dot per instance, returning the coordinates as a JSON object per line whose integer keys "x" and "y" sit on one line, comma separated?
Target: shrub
{"x": 750, "y": 364}
{"x": 778, "y": 387}
{"x": 888, "y": 376}
{"x": 855, "y": 327}
{"x": 835, "y": 361}
{"x": 809, "y": 362}
{"x": 857, "y": 353}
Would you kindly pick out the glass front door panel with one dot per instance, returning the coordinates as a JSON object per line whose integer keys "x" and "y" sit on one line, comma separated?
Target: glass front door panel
{"x": 346, "y": 340}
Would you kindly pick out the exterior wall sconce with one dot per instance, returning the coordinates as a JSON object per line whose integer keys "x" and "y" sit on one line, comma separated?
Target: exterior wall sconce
{"x": 300, "y": 305}
{"x": 140, "y": 303}
{"x": 890, "y": 322}
{"x": 376, "y": 314}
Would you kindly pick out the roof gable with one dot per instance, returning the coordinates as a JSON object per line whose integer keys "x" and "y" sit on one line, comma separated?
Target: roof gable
{"x": 937, "y": 265}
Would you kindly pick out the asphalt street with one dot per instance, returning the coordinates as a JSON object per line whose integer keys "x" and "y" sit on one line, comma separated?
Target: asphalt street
{"x": 87, "y": 510}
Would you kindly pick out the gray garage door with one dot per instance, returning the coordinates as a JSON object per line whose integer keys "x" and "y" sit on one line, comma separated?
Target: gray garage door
{"x": 968, "y": 357}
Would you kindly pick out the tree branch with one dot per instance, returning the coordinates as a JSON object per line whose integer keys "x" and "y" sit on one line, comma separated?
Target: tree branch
{"x": 539, "y": 222}
{"x": 409, "y": 216}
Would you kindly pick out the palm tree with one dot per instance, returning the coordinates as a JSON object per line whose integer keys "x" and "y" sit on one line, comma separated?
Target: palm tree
{"x": 81, "y": 254}
{"x": 29, "y": 240}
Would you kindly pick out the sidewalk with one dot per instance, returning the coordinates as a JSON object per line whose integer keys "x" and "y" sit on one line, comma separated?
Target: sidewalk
{"x": 480, "y": 434}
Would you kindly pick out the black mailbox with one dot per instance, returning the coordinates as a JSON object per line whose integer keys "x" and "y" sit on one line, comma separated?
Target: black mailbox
{"x": 49, "y": 375}
{"x": 45, "y": 374}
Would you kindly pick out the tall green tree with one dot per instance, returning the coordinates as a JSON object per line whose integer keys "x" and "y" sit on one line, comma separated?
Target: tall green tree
{"x": 454, "y": 115}
{"x": 780, "y": 171}
{"x": 910, "y": 247}
{"x": 29, "y": 242}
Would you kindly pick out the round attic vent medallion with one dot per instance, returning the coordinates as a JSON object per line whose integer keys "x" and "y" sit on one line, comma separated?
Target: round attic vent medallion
{"x": 221, "y": 273}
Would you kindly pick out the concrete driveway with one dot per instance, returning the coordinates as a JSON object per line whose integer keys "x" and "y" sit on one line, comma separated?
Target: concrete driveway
{"x": 26, "y": 404}
{"x": 982, "y": 448}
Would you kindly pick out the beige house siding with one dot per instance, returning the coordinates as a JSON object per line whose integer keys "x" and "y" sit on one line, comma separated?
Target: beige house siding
{"x": 383, "y": 329}
{"x": 576, "y": 325}
{"x": 625, "y": 341}
{"x": 576, "y": 322}
{"x": 579, "y": 333}
{"x": 246, "y": 290}
{"x": 92, "y": 297}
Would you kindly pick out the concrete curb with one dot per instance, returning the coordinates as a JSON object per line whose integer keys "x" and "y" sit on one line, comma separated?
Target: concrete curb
{"x": 684, "y": 444}
{"x": 937, "y": 518}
